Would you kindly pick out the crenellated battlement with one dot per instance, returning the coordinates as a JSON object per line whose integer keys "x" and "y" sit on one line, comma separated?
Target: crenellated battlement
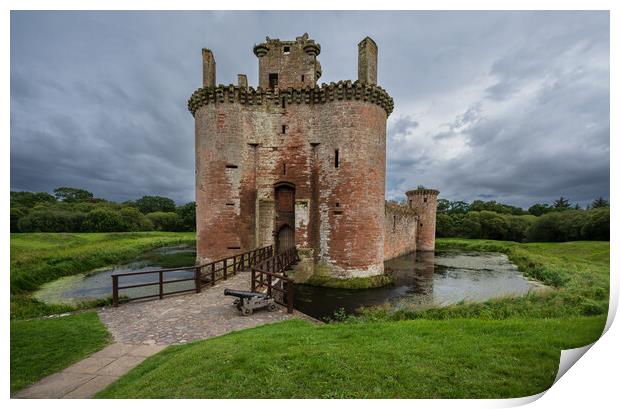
{"x": 334, "y": 91}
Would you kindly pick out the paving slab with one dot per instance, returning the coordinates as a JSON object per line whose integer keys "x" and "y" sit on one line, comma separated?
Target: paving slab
{"x": 122, "y": 365}
{"x": 90, "y": 365}
{"x": 90, "y": 388}
{"x": 54, "y": 386}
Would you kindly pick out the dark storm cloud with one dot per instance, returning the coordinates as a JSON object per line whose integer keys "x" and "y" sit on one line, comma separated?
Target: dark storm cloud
{"x": 509, "y": 106}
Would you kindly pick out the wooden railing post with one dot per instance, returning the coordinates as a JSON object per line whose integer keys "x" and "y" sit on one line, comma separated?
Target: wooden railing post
{"x": 253, "y": 284}
{"x": 197, "y": 279}
{"x": 161, "y": 285}
{"x": 212, "y": 273}
{"x": 269, "y": 284}
{"x": 234, "y": 265}
{"x": 290, "y": 293}
{"x": 115, "y": 291}
{"x": 225, "y": 268}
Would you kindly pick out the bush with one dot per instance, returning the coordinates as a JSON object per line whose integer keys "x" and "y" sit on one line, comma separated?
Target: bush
{"x": 104, "y": 220}
{"x": 596, "y": 227}
{"x": 152, "y": 204}
{"x": 187, "y": 214}
{"x": 133, "y": 220}
{"x": 165, "y": 221}
{"x": 51, "y": 220}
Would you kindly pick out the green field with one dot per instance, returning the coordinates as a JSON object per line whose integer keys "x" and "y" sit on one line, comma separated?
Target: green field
{"x": 44, "y": 346}
{"x": 38, "y": 258}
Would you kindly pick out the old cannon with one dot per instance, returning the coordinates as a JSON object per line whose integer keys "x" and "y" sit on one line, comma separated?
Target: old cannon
{"x": 248, "y": 301}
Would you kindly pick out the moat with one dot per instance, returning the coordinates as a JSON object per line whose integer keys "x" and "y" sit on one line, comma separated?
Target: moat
{"x": 421, "y": 280}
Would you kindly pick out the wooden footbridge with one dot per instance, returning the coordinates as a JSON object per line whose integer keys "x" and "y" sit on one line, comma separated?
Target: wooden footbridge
{"x": 268, "y": 275}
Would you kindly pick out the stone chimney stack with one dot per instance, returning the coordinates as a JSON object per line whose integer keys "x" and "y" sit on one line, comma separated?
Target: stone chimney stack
{"x": 367, "y": 61}
{"x": 208, "y": 68}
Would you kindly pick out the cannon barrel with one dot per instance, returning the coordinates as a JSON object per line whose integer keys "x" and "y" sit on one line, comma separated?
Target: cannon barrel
{"x": 242, "y": 294}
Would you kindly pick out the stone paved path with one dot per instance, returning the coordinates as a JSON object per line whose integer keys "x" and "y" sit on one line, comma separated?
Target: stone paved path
{"x": 141, "y": 329}
{"x": 90, "y": 375}
{"x": 180, "y": 319}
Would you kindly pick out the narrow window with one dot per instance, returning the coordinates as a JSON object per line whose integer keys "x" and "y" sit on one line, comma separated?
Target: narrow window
{"x": 302, "y": 78}
{"x": 230, "y": 204}
{"x": 394, "y": 223}
{"x": 425, "y": 200}
{"x": 336, "y": 158}
{"x": 287, "y": 49}
{"x": 284, "y": 169}
{"x": 337, "y": 204}
{"x": 273, "y": 80}
{"x": 283, "y": 129}
{"x": 283, "y": 102}
{"x": 421, "y": 224}
{"x": 234, "y": 248}
{"x": 230, "y": 166}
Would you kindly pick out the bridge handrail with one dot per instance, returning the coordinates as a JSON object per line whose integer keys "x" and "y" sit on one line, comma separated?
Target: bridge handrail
{"x": 238, "y": 262}
{"x": 272, "y": 268}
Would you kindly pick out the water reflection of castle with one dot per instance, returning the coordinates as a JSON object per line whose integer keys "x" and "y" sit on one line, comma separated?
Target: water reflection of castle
{"x": 414, "y": 271}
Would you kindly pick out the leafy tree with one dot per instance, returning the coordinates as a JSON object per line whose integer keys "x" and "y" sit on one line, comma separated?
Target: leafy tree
{"x": 187, "y": 214}
{"x": 492, "y": 225}
{"x": 73, "y": 195}
{"x": 445, "y": 225}
{"x": 134, "y": 220}
{"x": 16, "y": 214}
{"x": 104, "y": 220}
{"x": 458, "y": 207}
{"x": 443, "y": 206}
{"x": 539, "y": 209}
{"x": 165, "y": 221}
{"x": 599, "y": 203}
{"x": 30, "y": 199}
{"x": 561, "y": 204}
{"x": 151, "y": 204}
{"x": 51, "y": 220}
{"x": 596, "y": 226}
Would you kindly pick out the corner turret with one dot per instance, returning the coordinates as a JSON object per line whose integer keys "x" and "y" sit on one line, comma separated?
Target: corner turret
{"x": 424, "y": 202}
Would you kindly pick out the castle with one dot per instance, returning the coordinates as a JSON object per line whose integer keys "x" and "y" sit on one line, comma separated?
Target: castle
{"x": 292, "y": 163}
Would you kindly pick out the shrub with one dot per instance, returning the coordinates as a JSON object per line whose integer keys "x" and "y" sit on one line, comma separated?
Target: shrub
{"x": 165, "y": 221}
{"x": 151, "y": 204}
{"x": 596, "y": 227}
{"x": 133, "y": 220}
{"x": 51, "y": 220}
{"x": 104, "y": 220}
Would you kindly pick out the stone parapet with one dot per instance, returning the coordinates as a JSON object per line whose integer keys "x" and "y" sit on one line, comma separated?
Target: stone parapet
{"x": 341, "y": 90}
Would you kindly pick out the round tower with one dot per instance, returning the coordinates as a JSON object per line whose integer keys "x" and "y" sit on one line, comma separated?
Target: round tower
{"x": 291, "y": 162}
{"x": 424, "y": 202}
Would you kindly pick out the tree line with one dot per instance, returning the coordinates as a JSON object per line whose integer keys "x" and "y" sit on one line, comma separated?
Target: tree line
{"x": 77, "y": 210}
{"x": 558, "y": 221}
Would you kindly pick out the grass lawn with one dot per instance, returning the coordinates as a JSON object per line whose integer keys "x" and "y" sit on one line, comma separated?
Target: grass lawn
{"x": 37, "y": 258}
{"x": 460, "y": 358}
{"x": 44, "y": 346}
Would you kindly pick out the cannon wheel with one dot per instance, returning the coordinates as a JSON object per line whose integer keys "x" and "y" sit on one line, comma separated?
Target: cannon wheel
{"x": 246, "y": 311}
{"x": 273, "y": 307}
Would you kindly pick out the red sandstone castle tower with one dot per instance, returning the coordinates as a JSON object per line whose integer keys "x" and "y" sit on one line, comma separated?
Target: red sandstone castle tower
{"x": 292, "y": 163}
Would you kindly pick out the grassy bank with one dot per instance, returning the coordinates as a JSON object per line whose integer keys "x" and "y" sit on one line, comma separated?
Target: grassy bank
{"x": 37, "y": 258}
{"x": 577, "y": 271}
{"x": 44, "y": 346}
{"x": 464, "y": 358}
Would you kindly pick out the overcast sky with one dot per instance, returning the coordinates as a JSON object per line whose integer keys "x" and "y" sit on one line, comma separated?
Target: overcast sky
{"x": 507, "y": 106}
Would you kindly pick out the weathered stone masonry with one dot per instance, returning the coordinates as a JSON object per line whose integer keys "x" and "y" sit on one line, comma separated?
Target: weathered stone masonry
{"x": 295, "y": 163}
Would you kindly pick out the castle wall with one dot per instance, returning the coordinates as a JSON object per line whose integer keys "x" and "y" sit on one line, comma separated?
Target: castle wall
{"x": 339, "y": 210}
{"x": 400, "y": 225}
